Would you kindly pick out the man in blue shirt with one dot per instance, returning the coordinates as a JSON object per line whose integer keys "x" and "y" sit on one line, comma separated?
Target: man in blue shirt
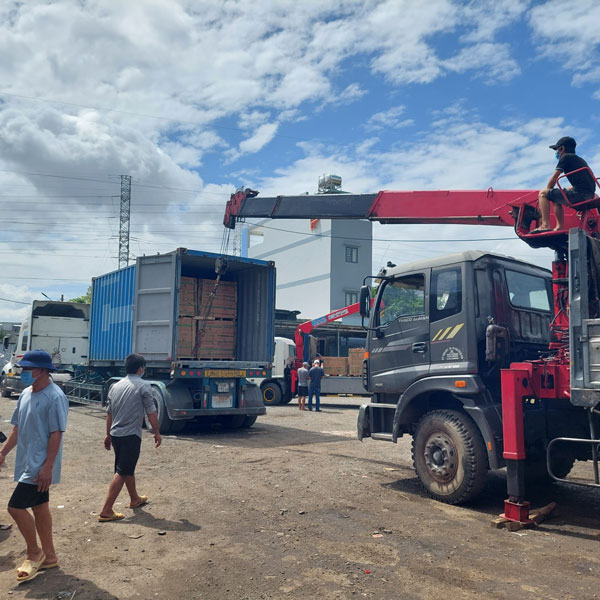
{"x": 314, "y": 387}
{"x": 39, "y": 420}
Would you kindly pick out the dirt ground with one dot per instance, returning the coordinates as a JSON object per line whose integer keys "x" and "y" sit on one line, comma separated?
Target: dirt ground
{"x": 289, "y": 509}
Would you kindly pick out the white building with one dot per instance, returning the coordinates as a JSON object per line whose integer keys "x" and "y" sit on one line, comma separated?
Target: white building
{"x": 320, "y": 264}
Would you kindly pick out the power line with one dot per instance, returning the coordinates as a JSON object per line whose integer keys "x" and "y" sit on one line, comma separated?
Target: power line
{"x": 15, "y": 301}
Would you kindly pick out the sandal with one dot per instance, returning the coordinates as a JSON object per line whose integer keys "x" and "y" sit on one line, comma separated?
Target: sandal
{"x": 114, "y": 517}
{"x": 48, "y": 566}
{"x": 540, "y": 230}
{"x": 142, "y": 502}
{"x": 31, "y": 568}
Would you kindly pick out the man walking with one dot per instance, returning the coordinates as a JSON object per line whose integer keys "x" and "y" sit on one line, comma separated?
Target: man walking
{"x": 128, "y": 400}
{"x": 39, "y": 420}
{"x": 314, "y": 387}
{"x": 302, "y": 385}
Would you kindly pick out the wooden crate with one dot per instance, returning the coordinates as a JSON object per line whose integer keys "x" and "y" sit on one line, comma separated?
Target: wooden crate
{"x": 335, "y": 365}
{"x": 188, "y": 297}
{"x": 186, "y": 336}
{"x": 224, "y": 303}
{"x": 355, "y": 361}
{"x": 218, "y": 339}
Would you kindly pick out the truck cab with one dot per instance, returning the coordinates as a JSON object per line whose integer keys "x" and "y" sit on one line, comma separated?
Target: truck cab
{"x": 59, "y": 328}
{"x": 277, "y": 388}
{"x": 440, "y": 331}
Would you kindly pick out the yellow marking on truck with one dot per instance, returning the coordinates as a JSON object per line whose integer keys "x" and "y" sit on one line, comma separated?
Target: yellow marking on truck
{"x": 437, "y": 335}
{"x": 446, "y": 331}
{"x": 455, "y": 331}
{"x": 224, "y": 373}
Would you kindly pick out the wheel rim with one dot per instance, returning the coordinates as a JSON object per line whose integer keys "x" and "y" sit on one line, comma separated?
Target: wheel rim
{"x": 268, "y": 394}
{"x": 441, "y": 457}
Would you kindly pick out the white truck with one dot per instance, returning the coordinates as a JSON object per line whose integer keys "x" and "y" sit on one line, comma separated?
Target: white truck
{"x": 276, "y": 389}
{"x": 59, "y": 328}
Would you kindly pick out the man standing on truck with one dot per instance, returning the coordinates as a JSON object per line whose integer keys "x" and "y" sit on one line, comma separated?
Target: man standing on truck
{"x": 128, "y": 400}
{"x": 302, "y": 385}
{"x": 39, "y": 420}
{"x": 583, "y": 184}
{"x": 314, "y": 387}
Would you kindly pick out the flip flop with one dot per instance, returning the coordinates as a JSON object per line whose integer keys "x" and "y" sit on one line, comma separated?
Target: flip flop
{"x": 540, "y": 230}
{"x": 31, "y": 567}
{"x": 114, "y": 517}
{"x": 143, "y": 501}
{"x": 48, "y": 566}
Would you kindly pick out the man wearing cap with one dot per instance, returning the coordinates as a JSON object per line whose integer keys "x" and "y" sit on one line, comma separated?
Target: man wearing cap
{"x": 583, "y": 185}
{"x": 314, "y": 387}
{"x": 39, "y": 420}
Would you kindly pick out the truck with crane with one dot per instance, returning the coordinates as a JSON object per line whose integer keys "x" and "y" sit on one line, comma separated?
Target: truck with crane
{"x": 484, "y": 360}
{"x": 289, "y": 356}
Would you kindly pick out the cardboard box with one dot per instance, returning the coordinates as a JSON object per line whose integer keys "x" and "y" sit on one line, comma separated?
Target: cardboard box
{"x": 335, "y": 365}
{"x": 355, "y": 361}
{"x": 224, "y": 301}
{"x": 186, "y": 335}
{"x": 188, "y": 297}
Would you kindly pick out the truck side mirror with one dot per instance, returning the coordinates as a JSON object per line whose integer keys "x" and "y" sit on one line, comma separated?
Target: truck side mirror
{"x": 5, "y": 342}
{"x": 365, "y": 301}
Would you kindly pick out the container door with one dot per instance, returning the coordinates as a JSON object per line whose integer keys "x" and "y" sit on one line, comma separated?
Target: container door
{"x": 154, "y": 311}
{"x": 399, "y": 344}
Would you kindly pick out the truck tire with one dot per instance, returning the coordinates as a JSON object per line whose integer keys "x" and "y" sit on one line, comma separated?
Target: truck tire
{"x": 4, "y": 392}
{"x": 449, "y": 456}
{"x": 271, "y": 393}
{"x": 233, "y": 421}
{"x": 165, "y": 423}
{"x": 249, "y": 421}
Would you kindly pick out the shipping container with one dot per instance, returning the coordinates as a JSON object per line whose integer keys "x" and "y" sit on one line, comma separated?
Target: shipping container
{"x": 204, "y": 324}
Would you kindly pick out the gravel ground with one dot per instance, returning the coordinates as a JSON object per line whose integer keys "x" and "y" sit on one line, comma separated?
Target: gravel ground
{"x": 297, "y": 508}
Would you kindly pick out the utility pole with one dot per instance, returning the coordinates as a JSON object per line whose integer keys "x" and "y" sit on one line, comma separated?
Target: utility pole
{"x": 125, "y": 214}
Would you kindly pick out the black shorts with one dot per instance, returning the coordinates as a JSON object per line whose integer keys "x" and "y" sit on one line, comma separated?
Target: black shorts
{"x": 127, "y": 452}
{"x": 26, "y": 495}
{"x": 573, "y": 197}
{"x": 302, "y": 390}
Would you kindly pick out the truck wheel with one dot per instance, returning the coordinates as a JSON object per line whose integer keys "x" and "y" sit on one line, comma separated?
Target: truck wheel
{"x": 449, "y": 456}
{"x": 271, "y": 393}
{"x": 233, "y": 421}
{"x": 536, "y": 471}
{"x": 249, "y": 421}
{"x": 165, "y": 423}
{"x": 4, "y": 392}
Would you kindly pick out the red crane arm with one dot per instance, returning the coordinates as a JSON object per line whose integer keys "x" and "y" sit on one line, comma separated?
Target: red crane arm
{"x": 514, "y": 208}
{"x": 485, "y": 207}
{"x": 308, "y": 326}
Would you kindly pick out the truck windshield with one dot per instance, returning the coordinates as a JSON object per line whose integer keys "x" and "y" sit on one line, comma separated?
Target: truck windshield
{"x": 527, "y": 291}
{"x": 401, "y": 298}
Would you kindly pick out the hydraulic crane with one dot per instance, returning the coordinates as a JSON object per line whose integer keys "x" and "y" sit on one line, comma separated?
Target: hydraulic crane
{"x": 551, "y": 378}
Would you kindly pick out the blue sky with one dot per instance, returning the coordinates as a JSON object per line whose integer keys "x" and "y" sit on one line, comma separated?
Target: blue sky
{"x": 195, "y": 98}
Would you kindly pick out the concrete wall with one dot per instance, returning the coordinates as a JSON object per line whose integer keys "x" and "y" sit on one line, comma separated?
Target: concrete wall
{"x": 348, "y": 276}
{"x": 303, "y": 261}
{"x": 312, "y": 272}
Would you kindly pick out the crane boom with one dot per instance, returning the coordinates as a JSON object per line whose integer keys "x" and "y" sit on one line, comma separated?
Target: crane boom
{"x": 485, "y": 207}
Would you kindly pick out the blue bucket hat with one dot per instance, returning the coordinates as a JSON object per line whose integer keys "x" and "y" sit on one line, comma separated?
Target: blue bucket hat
{"x": 36, "y": 359}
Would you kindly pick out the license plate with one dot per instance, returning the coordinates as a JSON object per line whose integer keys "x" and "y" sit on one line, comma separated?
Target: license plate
{"x": 222, "y": 401}
{"x": 224, "y": 373}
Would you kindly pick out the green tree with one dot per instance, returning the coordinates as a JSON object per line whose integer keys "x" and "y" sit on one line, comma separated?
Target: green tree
{"x": 85, "y": 299}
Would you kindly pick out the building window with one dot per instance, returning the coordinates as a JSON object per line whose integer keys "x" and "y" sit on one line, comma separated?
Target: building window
{"x": 350, "y": 298}
{"x": 351, "y": 254}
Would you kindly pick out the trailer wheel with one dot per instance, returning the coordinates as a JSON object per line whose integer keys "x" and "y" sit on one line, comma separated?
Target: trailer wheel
{"x": 249, "y": 421}
{"x": 233, "y": 421}
{"x": 4, "y": 391}
{"x": 449, "y": 456}
{"x": 165, "y": 423}
{"x": 271, "y": 393}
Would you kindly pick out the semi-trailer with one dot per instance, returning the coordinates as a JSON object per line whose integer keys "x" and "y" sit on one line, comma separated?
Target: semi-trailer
{"x": 205, "y": 325}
